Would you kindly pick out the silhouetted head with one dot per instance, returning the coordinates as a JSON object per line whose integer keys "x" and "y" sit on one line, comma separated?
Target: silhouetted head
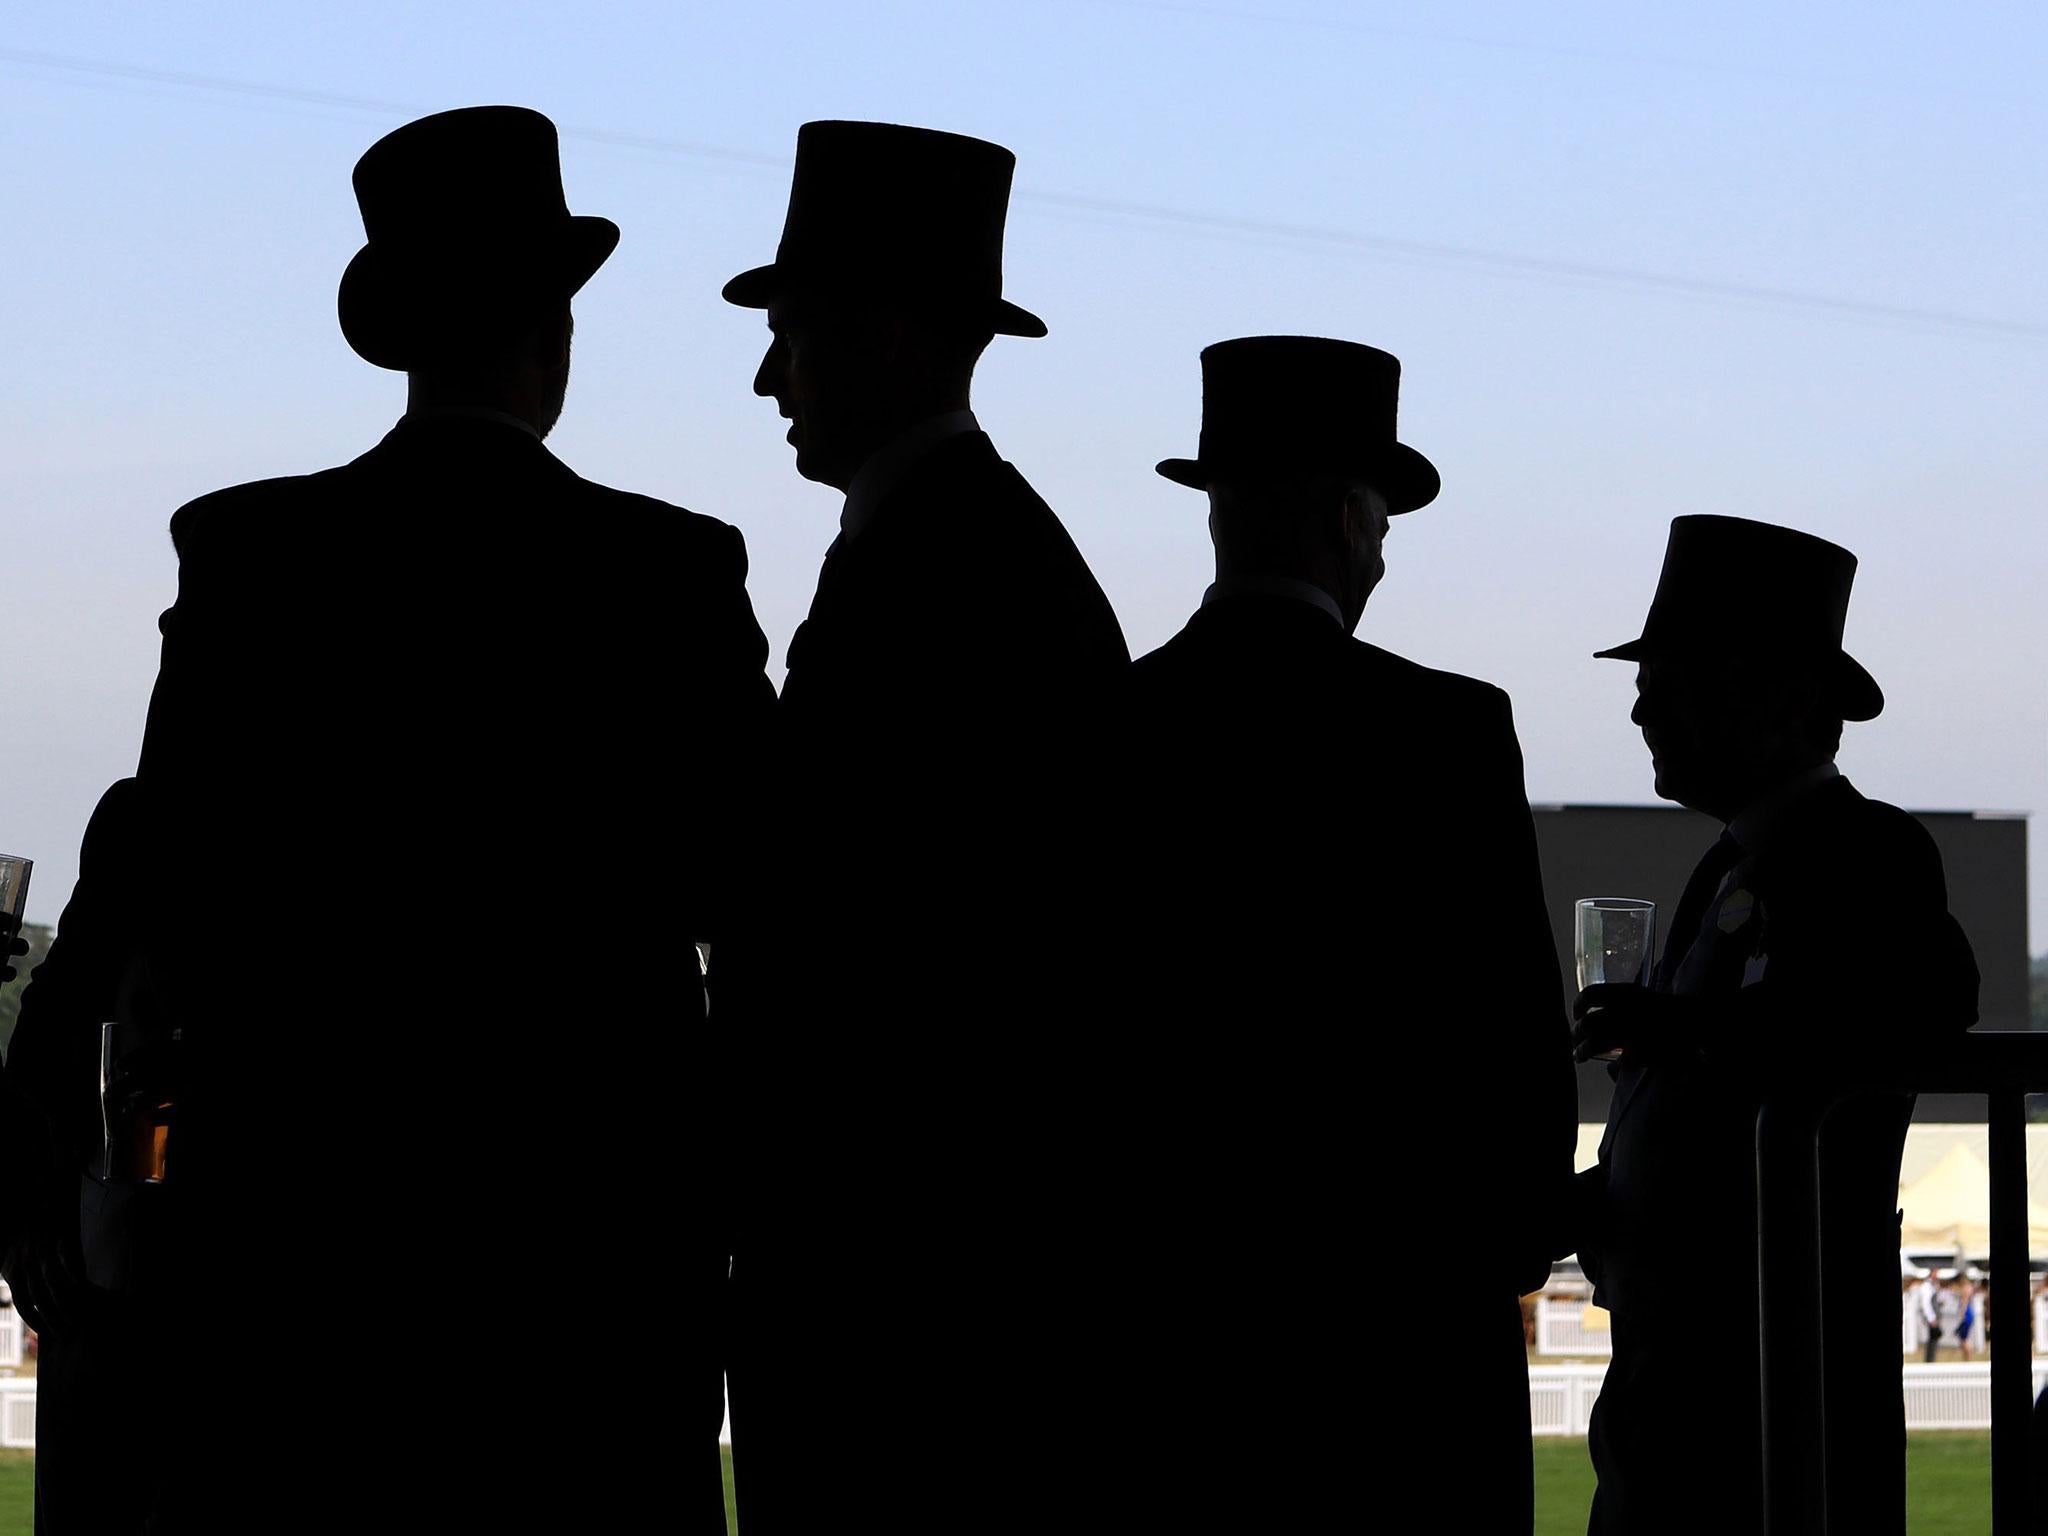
{"x": 849, "y": 380}
{"x": 885, "y": 288}
{"x": 471, "y": 260}
{"x": 1327, "y": 530}
{"x": 1742, "y": 682}
{"x": 521, "y": 368}
{"x": 1725, "y": 731}
{"x": 1300, "y": 458}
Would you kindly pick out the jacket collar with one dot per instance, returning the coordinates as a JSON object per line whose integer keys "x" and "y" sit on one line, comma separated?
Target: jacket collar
{"x": 887, "y": 466}
{"x": 1224, "y": 588}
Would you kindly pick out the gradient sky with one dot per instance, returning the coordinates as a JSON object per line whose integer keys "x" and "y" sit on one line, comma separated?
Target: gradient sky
{"x": 1781, "y": 262}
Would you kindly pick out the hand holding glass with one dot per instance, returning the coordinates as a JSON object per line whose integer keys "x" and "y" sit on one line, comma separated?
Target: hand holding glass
{"x": 1617, "y": 942}
{"x": 14, "y": 873}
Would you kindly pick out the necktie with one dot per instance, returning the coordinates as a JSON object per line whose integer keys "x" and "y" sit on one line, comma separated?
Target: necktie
{"x": 1692, "y": 908}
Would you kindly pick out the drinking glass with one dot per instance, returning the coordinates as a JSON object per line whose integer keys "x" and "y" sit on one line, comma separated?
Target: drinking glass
{"x": 14, "y": 873}
{"x": 1617, "y": 942}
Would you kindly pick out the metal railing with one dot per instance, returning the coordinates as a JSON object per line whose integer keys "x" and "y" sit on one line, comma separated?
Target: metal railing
{"x": 2005, "y": 1066}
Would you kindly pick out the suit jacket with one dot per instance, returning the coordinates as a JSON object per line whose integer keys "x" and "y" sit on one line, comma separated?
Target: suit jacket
{"x": 943, "y": 752}
{"x": 1342, "y": 872}
{"x": 1826, "y": 949}
{"x": 908, "y": 1262}
{"x": 448, "y": 765}
{"x": 1351, "y": 840}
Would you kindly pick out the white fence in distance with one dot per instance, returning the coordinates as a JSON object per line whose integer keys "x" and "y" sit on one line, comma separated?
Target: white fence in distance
{"x": 17, "y": 1413}
{"x": 1958, "y": 1396}
{"x": 1560, "y": 1329}
{"x": 1561, "y": 1399}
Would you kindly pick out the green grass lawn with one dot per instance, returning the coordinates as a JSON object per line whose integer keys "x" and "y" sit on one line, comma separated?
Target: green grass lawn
{"x": 17, "y": 1492}
{"x": 1948, "y": 1485}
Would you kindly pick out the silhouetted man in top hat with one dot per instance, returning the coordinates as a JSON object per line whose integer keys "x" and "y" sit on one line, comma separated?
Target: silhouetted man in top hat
{"x": 412, "y": 713}
{"x": 910, "y": 1148}
{"x": 1342, "y": 870}
{"x": 1812, "y": 943}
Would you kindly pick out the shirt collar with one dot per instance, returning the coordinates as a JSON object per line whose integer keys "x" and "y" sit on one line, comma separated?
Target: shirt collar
{"x": 1753, "y": 828}
{"x": 1275, "y": 586}
{"x": 475, "y": 413}
{"x": 885, "y": 467}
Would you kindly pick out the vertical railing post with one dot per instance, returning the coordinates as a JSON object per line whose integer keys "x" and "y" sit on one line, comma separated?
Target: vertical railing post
{"x": 2012, "y": 1349}
{"x": 1789, "y": 1312}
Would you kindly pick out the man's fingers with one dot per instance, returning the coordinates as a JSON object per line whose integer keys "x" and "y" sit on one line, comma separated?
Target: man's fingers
{"x": 1593, "y": 1034}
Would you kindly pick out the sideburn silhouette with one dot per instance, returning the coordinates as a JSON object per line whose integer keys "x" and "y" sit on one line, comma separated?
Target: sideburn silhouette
{"x": 1339, "y": 868}
{"x": 907, "y": 1269}
{"x": 1812, "y": 944}
{"x": 410, "y": 712}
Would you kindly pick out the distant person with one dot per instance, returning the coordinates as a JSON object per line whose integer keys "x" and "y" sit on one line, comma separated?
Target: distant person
{"x": 1927, "y": 1298}
{"x": 1812, "y": 944}
{"x": 445, "y": 771}
{"x": 1338, "y": 874}
{"x": 1948, "y": 1304}
{"x": 917, "y": 1041}
{"x": 1967, "y": 1300}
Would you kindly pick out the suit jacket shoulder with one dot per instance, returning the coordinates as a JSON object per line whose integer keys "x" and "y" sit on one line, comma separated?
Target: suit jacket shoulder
{"x": 964, "y": 587}
{"x": 1842, "y": 840}
{"x": 232, "y": 514}
{"x": 1027, "y": 557}
{"x": 710, "y": 536}
{"x": 1451, "y": 689}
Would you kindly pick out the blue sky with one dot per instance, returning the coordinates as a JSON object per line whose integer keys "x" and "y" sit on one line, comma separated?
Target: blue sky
{"x": 1776, "y": 261}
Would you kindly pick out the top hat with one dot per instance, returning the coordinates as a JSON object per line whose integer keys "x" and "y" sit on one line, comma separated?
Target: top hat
{"x": 1732, "y": 587}
{"x": 1304, "y": 405}
{"x": 910, "y": 213}
{"x": 464, "y": 216}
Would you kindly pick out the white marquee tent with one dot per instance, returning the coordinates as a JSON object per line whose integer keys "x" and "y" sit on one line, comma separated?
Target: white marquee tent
{"x": 1944, "y": 1186}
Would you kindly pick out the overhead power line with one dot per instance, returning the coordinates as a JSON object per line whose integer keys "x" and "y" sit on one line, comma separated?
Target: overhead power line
{"x": 1349, "y": 241}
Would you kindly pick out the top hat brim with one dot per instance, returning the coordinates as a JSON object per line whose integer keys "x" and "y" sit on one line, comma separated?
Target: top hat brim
{"x": 754, "y": 288}
{"x": 383, "y": 299}
{"x": 1853, "y": 689}
{"x": 1407, "y": 479}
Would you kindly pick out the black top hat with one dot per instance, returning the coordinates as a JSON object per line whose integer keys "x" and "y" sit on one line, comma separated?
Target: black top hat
{"x": 1298, "y": 405}
{"x": 878, "y": 208}
{"x": 465, "y": 216}
{"x": 1732, "y": 587}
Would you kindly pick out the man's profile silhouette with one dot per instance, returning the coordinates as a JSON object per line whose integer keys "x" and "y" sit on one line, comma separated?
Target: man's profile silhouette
{"x": 412, "y": 712}
{"x": 908, "y": 1250}
{"x": 1342, "y": 870}
{"x": 1812, "y": 944}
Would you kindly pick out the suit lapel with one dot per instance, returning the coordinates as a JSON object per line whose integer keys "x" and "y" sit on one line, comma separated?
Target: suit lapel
{"x": 1691, "y": 932}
